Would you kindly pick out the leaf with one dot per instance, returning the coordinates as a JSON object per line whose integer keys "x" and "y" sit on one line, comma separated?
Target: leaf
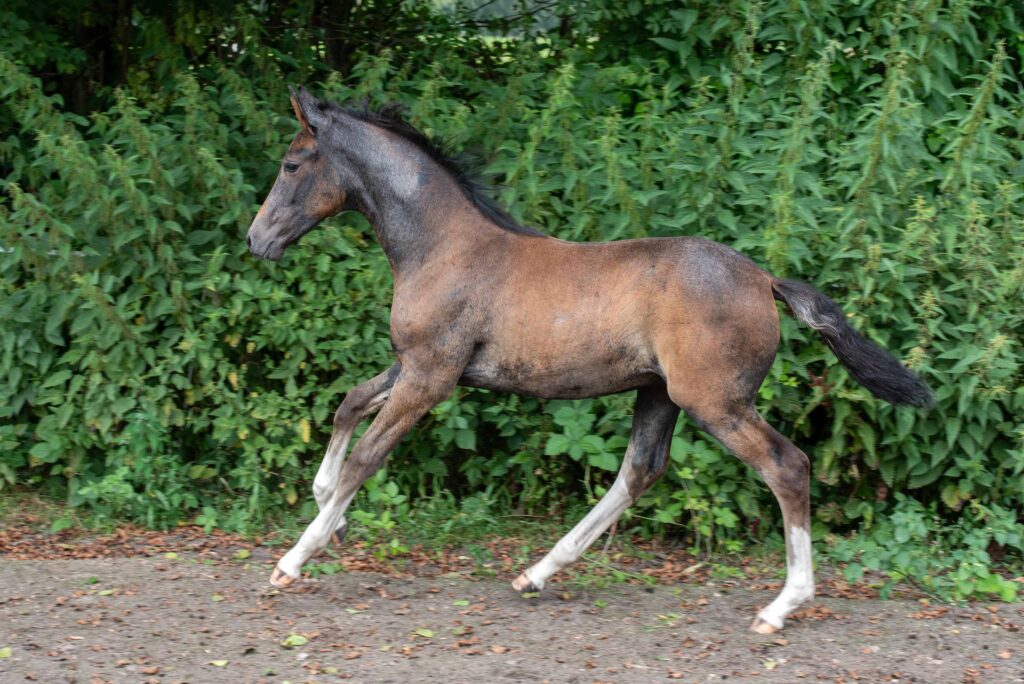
{"x": 604, "y": 461}
{"x": 465, "y": 439}
{"x": 58, "y": 378}
{"x": 853, "y": 572}
{"x": 294, "y": 640}
{"x": 5, "y": 652}
{"x": 425, "y": 633}
{"x": 216, "y": 598}
{"x": 951, "y": 496}
{"x": 218, "y": 663}
{"x": 242, "y": 554}
{"x": 201, "y": 237}
{"x": 460, "y": 602}
{"x": 105, "y": 592}
{"x": 667, "y": 43}
{"x": 557, "y": 444}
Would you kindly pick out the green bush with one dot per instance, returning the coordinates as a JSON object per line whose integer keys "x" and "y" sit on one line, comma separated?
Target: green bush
{"x": 153, "y": 371}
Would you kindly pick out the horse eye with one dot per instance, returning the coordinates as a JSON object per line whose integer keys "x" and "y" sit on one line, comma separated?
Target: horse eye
{"x": 290, "y": 167}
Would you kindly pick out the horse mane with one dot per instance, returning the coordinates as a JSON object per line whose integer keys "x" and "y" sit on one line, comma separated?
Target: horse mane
{"x": 460, "y": 167}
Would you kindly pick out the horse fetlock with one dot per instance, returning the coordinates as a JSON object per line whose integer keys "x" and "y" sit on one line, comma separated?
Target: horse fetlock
{"x": 794, "y": 594}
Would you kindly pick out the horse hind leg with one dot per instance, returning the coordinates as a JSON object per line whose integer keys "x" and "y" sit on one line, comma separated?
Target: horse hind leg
{"x": 786, "y": 470}
{"x": 654, "y": 418}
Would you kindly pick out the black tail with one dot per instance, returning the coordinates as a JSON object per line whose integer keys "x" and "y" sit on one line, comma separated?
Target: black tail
{"x": 869, "y": 364}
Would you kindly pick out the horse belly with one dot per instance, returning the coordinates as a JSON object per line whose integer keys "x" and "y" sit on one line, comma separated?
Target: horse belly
{"x": 576, "y": 374}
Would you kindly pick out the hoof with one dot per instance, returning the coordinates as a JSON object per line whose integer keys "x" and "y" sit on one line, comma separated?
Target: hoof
{"x": 763, "y": 627}
{"x": 281, "y": 580}
{"x": 339, "y": 534}
{"x": 524, "y": 585}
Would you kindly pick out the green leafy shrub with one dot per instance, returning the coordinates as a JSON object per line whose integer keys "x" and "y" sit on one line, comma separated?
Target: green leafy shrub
{"x": 952, "y": 560}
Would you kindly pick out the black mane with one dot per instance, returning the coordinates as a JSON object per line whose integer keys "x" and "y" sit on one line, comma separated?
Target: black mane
{"x": 391, "y": 118}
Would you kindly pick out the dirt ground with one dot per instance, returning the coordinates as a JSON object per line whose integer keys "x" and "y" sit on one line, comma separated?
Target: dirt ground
{"x": 184, "y": 620}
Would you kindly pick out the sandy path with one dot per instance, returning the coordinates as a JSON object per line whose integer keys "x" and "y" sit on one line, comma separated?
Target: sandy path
{"x": 159, "y": 620}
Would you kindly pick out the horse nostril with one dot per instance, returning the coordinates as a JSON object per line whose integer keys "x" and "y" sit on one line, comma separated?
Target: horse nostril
{"x": 248, "y": 241}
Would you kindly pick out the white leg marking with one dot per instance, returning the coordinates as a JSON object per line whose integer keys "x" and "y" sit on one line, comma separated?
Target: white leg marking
{"x": 799, "y": 586}
{"x": 326, "y": 480}
{"x": 571, "y": 546}
{"x": 316, "y": 536}
{"x": 325, "y": 489}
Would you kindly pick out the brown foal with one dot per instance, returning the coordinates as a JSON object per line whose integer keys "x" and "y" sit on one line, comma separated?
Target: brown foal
{"x": 481, "y": 301}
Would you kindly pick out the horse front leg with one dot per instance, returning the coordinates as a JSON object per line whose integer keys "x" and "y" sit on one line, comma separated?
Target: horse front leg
{"x": 654, "y": 418}
{"x": 360, "y": 402}
{"x": 411, "y": 396}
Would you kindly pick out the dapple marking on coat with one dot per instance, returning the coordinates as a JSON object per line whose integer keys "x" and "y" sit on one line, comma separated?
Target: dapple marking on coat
{"x": 482, "y": 301}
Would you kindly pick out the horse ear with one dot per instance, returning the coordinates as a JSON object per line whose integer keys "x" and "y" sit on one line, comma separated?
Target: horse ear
{"x": 301, "y": 100}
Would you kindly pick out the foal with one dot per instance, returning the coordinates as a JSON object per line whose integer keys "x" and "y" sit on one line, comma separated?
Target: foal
{"x": 484, "y": 302}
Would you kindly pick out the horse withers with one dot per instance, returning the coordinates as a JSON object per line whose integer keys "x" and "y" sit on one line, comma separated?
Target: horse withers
{"x": 482, "y": 301}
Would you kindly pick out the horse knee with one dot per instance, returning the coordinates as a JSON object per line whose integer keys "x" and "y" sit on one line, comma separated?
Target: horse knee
{"x": 345, "y": 416}
{"x": 320, "y": 490}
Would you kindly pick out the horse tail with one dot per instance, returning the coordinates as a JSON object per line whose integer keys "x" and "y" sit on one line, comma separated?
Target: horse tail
{"x": 870, "y": 365}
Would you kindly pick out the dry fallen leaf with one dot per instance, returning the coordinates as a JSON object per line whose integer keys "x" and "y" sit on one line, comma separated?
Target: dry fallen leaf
{"x": 499, "y": 649}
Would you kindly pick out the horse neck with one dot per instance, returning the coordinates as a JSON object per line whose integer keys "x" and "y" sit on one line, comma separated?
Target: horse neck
{"x": 416, "y": 208}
